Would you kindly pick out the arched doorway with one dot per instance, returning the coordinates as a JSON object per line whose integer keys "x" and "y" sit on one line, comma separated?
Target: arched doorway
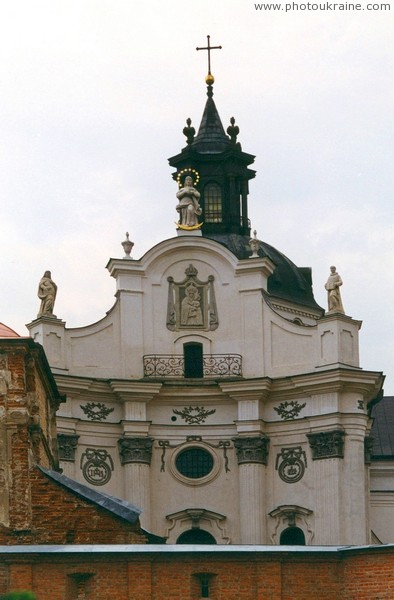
{"x": 196, "y": 536}
{"x": 292, "y": 536}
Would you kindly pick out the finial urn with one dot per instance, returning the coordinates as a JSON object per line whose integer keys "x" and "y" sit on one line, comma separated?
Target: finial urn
{"x": 127, "y": 246}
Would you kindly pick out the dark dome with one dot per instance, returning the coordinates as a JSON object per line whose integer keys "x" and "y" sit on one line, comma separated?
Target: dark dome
{"x": 288, "y": 281}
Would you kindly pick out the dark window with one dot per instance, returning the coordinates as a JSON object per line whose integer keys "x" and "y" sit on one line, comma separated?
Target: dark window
{"x": 193, "y": 360}
{"x": 194, "y": 463}
{"x": 292, "y": 536}
{"x": 196, "y": 536}
{"x": 213, "y": 203}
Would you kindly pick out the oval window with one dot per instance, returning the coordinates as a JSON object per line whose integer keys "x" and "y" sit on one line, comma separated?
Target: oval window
{"x": 194, "y": 463}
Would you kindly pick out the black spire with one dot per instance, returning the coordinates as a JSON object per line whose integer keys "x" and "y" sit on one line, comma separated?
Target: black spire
{"x": 222, "y": 167}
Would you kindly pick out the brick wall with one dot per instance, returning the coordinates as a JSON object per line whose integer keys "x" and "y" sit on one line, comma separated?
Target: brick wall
{"x": 59, "y": 517}
{"x": 33, "y": 508}
{"x": 358, "y": 574}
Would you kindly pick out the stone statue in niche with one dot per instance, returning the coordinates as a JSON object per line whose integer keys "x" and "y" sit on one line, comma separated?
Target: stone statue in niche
{"x": 191, "y": 303}
{"x": 188, "y": 207}
{"x": 333, "y": 292}
{"x": 47, "y": 290}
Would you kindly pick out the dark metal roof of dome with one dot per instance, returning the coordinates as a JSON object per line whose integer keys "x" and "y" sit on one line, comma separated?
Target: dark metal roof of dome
{"x": 211, "y": 137}
{"x": 288, "y": 282}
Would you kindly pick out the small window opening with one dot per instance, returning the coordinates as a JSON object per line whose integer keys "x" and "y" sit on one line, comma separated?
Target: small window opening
{"x": 292, "y": 536}
{"x": 213, "y": 203}
{"x": 205, "y": 584}
{"x": 196, "y": 536}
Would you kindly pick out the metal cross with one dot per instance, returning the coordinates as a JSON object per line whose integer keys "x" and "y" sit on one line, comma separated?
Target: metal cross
{"x": 209, "y": 48}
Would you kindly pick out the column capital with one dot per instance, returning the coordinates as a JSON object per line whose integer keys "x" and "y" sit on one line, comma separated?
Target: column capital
{"x": 67, "y": 445}
{"x": 327, "y": 444}
{"x": 252, "y": 449}
{"x": 135, "y": 450}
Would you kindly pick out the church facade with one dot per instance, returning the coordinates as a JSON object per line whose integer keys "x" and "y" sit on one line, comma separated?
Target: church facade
{"x": 216, "y": 395}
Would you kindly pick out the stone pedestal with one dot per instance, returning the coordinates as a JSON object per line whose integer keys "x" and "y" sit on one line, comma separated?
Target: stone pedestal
{"x": 50, "y": 333}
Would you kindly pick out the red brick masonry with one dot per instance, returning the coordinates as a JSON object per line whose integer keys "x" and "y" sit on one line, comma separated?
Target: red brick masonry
{"x": 185, "y": 572}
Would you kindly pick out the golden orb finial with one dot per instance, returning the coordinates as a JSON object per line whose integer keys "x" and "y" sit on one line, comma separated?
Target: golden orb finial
{"x": 209, "y": 80}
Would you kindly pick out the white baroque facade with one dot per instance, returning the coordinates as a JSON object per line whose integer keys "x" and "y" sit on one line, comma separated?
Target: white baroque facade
{"x": 216, "y": 394}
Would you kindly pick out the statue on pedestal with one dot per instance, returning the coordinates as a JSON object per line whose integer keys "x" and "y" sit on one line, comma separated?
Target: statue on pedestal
{"x": 47, "y": 290}
{"x": 188, "y": 207}
{"x": 333, "y": 292}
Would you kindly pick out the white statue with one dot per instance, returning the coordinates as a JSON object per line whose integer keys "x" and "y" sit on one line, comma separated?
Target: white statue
{"x": 333, "y": 292}
{"x": 47, "y": 290}
{"x": 189, "y": 208}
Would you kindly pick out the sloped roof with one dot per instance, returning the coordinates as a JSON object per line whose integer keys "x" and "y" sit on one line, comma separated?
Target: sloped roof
{"x": 383, "y": 429}
{"x": 120, "y": 508}
{"x": 211, "y": 137}
{"x": 7, "y": 331}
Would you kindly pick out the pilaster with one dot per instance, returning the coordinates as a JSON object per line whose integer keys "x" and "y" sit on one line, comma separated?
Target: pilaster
{"x": 135, "y": 455}
{"x": 252, "y": 456}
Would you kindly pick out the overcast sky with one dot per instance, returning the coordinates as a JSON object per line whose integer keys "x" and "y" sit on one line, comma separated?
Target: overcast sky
{"x": 94, "y": 96}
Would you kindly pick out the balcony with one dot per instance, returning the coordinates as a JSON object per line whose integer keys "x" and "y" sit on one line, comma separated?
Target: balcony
{"x": 174, "y": 366}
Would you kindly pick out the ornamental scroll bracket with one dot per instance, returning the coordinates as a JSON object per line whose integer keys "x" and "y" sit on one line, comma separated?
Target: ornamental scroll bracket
{"x": 222, "y": 444}
{"x": 191, "y": 303}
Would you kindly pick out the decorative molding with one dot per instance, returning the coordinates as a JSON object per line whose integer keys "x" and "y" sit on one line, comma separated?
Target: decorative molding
{"x": 327, "y": 444}
{"x": 289, "y": 410}
{"x": 251, "y": 449}
{"x": 196, "y": 518}
{"x": 291, "y": 464}
{"x": 67, "y": 445}
{"x": 360, "y": 404}
{"x": 294, "y": 311}
{"x": 194, "y": 415}
{"x": 135, "y": 450}
{"x": 97, "y": 466}
{"x": 96, "y": 411}
{"x": 190, "y": 439}
{"x": 291, "y": 515}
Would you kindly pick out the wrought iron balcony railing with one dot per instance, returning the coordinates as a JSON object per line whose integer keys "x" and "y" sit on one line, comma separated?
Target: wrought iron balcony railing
{"x": 173, "y": 365}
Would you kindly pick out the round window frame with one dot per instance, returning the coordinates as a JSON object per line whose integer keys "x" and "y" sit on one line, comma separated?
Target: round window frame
{"x": 200, "y": 480}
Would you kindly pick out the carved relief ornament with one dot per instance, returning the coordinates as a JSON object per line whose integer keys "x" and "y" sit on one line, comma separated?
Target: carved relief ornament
{"x": 252, "y": 449}
{"x": 191, "y": 303}
{"x": 97, "y": 466}
{"x": 67, "y": 445}
{"x": 135, "y": 450}
{"x": 291, "y": 464}
{"x": 327, "y": 444}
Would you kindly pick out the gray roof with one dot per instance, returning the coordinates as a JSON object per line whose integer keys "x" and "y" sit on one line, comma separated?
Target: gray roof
{"x": 220, "y": 549}
{"x": 118, "y": 507}
{"x": 211, "y": 137}
{"x": 383, "y": 429}
{"x": 288, "y": 282}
